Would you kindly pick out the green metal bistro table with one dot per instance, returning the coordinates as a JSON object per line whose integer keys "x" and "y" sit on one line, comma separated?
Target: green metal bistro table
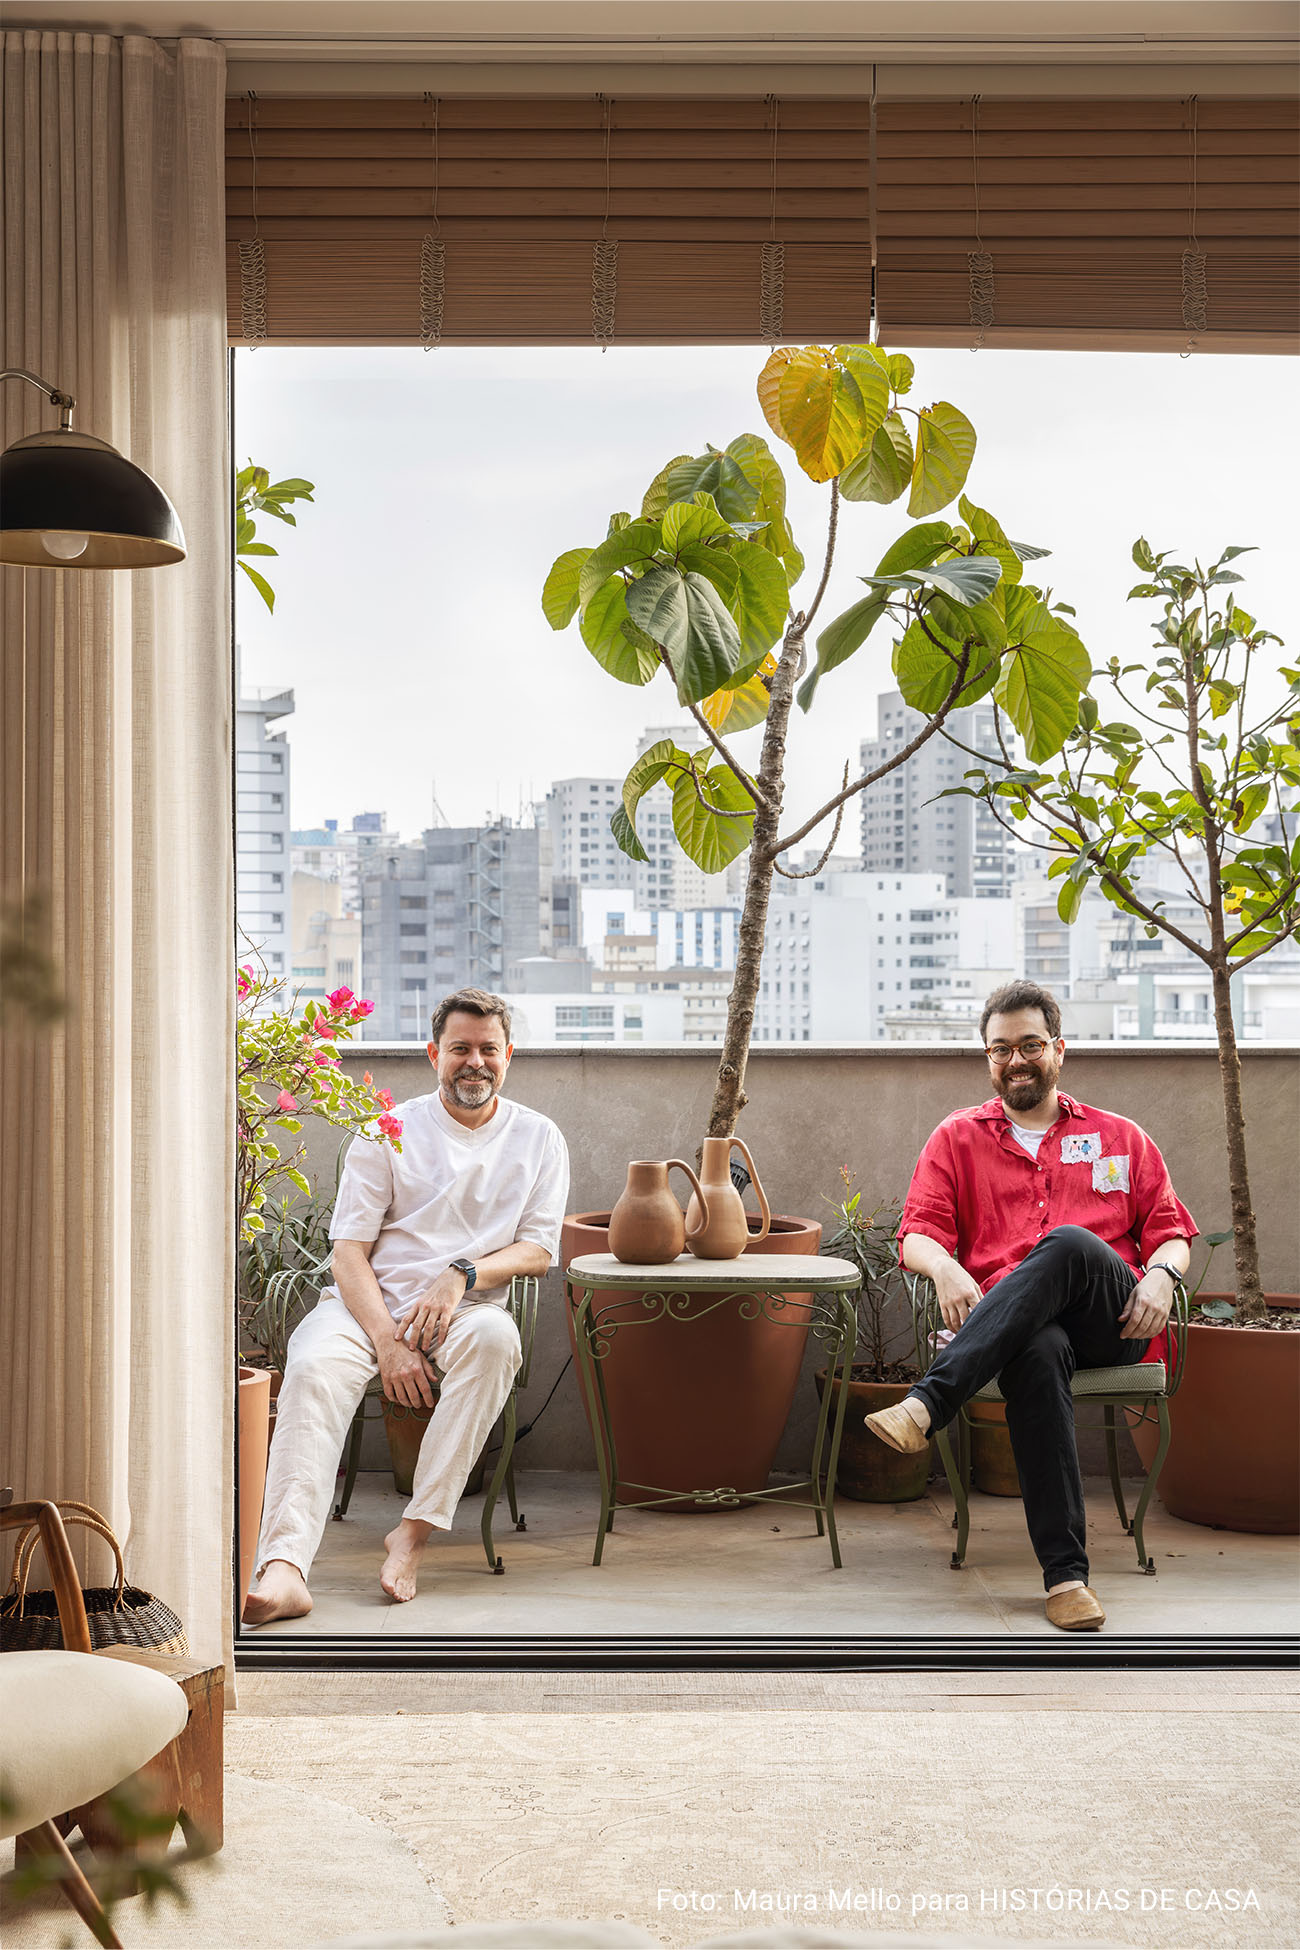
{"x": 607, "y": 1298}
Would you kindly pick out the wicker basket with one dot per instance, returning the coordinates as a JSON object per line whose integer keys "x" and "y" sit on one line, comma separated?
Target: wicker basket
{"x": 117, "y": 1614}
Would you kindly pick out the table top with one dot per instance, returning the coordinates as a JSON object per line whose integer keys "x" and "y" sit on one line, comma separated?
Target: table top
{"x": 780, "y": 1272}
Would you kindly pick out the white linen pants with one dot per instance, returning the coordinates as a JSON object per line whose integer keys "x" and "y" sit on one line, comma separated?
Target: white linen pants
{"x": 329, "y": 1363}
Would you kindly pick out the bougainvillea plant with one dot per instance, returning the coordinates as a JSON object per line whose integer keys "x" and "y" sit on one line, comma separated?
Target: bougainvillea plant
{"x": 288, "y": 1068}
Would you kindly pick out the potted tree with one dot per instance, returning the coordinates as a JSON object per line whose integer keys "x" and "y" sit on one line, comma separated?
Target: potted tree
{"x": 698, "y": 587}
{"x": 1196, "y": 791}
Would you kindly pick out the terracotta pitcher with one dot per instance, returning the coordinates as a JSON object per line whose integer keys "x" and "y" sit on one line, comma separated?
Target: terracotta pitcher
{"x": 725, "y": 1231}
{"x": 647, "y": 1227}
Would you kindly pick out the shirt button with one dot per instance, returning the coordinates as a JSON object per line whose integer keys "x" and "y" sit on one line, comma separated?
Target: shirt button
{"x": 1040, "y": 1204}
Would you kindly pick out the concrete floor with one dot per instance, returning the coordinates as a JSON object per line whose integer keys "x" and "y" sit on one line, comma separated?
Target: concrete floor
{"x": 763, "y": 1570}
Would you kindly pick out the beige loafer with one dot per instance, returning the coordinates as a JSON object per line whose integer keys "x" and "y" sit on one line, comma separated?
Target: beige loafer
{"x": 896, "y": 1427}
{"x": 1075, "y": 1611}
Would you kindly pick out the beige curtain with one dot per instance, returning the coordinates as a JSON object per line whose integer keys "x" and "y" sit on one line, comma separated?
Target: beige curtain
{"x": 116, "y": 1375}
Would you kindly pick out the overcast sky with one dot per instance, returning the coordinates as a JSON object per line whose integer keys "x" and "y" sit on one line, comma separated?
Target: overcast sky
{"x": 408, "y": 620}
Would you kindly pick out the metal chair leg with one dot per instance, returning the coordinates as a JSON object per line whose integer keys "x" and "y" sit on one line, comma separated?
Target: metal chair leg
{"x": 1148, "y": 1564}
{"x": 504, "y": 1472}
{"x": 1112, "y": 1459}
{"x": 353, "y": 1461}
{"x": 956, "y": 1483}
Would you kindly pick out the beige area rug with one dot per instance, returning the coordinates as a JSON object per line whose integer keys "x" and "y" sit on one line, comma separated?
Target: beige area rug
{"x": 1133, "y": 1828}
{"x": 298, "y": 1867}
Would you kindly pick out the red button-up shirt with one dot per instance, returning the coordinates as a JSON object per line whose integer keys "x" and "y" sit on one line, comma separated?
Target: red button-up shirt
{"x": 978, "y": 1192}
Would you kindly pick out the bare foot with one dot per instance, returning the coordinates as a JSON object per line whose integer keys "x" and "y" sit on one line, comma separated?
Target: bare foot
{"x": 281, "y": 1593}
{"x": 405, "y": 1547}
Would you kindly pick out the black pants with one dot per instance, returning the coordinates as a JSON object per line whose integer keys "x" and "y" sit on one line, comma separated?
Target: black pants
{"x": 1059, "y": 1310}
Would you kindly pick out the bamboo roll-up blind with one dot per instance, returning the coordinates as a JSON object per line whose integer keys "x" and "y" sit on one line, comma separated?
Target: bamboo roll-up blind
{"x": 1085, "y": 208}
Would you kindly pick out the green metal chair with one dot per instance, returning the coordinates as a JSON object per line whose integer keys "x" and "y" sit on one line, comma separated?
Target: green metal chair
{"x": 522, "y": 1308}
{"x": 1146, "y": 1387}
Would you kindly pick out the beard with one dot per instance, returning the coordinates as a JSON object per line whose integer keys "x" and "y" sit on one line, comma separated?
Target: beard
{"x": 470, "y": 1091}
{"x": 1028, "y": 1092}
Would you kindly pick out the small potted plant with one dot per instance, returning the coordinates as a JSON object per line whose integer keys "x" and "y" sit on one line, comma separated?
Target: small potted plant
{"x": 869, "y": 1471}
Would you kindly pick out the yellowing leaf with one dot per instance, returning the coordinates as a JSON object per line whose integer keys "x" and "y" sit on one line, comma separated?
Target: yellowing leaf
{"x": 744, "y": 707}
{"x": 945, "y": 447}
{"x": 823, "y": 414}
{"x": 769, "y": 388}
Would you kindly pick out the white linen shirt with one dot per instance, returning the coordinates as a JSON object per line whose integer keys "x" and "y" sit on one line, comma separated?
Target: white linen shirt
{"x": 452, "y": 1193}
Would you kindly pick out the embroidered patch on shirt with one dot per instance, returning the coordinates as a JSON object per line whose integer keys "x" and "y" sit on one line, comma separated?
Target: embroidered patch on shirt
{"x": 1081, "y": 1150}
{"x": 1110, "y": 1174}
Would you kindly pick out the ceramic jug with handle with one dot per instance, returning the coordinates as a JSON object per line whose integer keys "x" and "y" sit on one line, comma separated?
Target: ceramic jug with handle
{"x": 647, "y": 1226}
{"x": 724, "y": 1232}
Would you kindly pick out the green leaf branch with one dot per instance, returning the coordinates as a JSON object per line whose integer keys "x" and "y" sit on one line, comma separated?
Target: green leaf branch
{"x": 256, "y": 494}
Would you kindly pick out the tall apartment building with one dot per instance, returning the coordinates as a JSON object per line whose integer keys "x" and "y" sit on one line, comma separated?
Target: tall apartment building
{"x": 577, "y": 813}
{"x": 341, "y": 855}
{"x": 907, "y": 828}
{"x": 450, "y": 912}
{"x": 262, "y": 853}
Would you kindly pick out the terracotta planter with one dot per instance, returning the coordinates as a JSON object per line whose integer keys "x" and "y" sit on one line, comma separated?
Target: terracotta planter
{"x": 1236, "y": 1429}
{"x": 253, "y": 1408}
{"x": 698, "y": 1404}
{"x": 405, "y": 1429}
{"x": 992, "y": 1465}
{"x": 869, "y": 1470}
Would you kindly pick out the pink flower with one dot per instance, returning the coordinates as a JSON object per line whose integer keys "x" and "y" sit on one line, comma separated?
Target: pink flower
{"x": 244, "y": 981}
{"x": 340, "y": 1000}
{"x": 360, "y": 1010}
{"x": 322, "y": 1028}
{"x": 285, "y": 1101}
{"x": 384, "y": 1098}
{"x": 367, "y": 1078}
{"x": 391, "y": 1126}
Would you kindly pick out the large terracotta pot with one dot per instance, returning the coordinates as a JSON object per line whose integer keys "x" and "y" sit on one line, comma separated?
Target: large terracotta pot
{"x": 1236, "y": 1429}
{"x": 698, "y": 1404}
{"x": 253, "y": 1398}
{"x": 405, "y": 1427}
{"x": 869, "y": 1471}
{"x": 992, "y": 1462}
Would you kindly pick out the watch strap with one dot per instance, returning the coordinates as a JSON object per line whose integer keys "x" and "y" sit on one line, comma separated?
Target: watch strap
{"x": 1162, "y": 1266}
{"x": 468, "y": 1268}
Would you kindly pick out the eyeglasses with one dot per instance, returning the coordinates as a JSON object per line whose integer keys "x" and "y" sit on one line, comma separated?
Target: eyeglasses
{"x": 1031, "y": 1049}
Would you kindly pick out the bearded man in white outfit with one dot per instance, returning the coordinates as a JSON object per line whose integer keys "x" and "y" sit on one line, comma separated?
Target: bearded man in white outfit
{"x": 426, "y": 1243}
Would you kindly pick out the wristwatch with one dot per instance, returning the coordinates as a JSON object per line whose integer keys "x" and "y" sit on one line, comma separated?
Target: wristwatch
{"x": 1160, "y": 1266}
{"x": 468, "y": 1268}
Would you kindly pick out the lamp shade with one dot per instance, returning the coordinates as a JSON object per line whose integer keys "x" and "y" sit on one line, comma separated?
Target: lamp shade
{"x": 69, "y": 501}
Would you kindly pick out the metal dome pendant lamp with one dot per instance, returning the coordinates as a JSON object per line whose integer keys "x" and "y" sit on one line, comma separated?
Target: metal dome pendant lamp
{"x": 70, "y": 501}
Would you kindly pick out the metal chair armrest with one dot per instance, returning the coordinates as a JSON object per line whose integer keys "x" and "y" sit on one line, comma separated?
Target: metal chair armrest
{"x": 522, "y": 1308}
{"x": 1179, "y": 1319}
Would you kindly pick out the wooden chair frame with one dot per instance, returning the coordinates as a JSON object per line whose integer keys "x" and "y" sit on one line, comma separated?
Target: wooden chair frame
{"x": 1160, "y": 1382}
{"x": 521, "y": 1305}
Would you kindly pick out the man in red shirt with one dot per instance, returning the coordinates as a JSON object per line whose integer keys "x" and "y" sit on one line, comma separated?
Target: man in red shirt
{"x": 1053, "y": 1237}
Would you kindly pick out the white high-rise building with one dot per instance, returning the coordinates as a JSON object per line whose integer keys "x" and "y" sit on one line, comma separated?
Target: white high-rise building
{"x": 846, "y": 951}
{"x": 578, "y": 812}
{"x": 262, "y": 866}
{"x": 908, "y": 828}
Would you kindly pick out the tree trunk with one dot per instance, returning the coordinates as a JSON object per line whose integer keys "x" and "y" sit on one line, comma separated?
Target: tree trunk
{"x": 1251, "y": 1311}
{"x": 729, "y": 1091}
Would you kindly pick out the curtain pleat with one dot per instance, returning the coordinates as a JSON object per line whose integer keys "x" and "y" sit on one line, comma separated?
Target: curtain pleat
{"x": 116, "y": 1375}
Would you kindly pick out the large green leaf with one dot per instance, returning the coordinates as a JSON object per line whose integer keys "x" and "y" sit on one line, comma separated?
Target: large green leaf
{"x": 840, "y": 639}
{"x": 685, "y": 522}
{"x": 712, "y": 839}
{"x": 656, "y": 497}
{"x": 1043, "y": 674}
{"x": 983, "y": 622}
{"x": 884, "y": 470}
{"x": 560, "y": 590}
{"x": 761, "y": 469}
{"x": 873, "y": 384}
{"x": 717, "y": 474}
{"x": 688, "y": 616}
{"x": 926, "y": 670}
{"x": 823, "y": 414}
{"x": 613, "y": 639}
{"x": 762, "y": 599}
{"x": 657, "y": 762}
{"x": 916, "y": 548}
{"x": 634, "y": 544}
{"x": 716, "y": 564}
{"x": 945, "y": 447}
{"x": 992, "y": 540}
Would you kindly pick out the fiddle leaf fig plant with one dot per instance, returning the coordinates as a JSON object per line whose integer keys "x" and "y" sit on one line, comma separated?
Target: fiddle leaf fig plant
{"x": 698, "y": 586}
{"x": 1197, "y": 787}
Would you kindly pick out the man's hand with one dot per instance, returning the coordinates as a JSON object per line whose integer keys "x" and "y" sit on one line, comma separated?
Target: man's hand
{"x": 1147, "y": 1308}
{"x": 425, "y": 1327}
{"x": 957, "y": 1293}
{"x": 406, "y": 1375}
